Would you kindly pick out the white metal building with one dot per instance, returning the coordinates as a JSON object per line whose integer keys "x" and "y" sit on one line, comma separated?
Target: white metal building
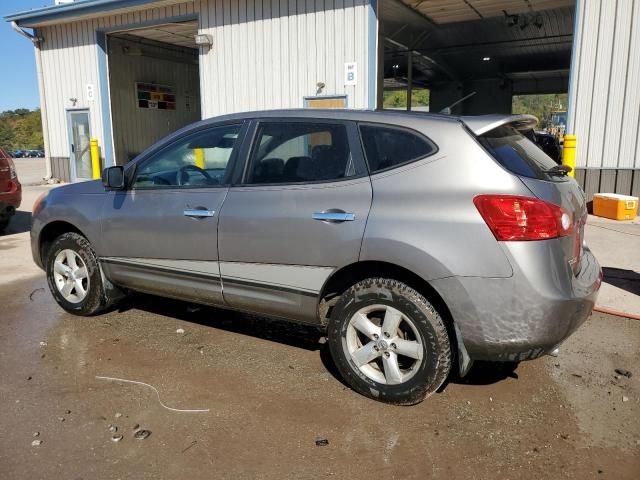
{"x": 128, "y": 72}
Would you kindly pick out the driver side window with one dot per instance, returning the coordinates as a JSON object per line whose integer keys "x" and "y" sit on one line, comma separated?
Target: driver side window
{"x": 200, "y": 159}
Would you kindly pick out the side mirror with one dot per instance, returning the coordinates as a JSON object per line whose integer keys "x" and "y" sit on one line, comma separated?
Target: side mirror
{"x": 113, "y": 178}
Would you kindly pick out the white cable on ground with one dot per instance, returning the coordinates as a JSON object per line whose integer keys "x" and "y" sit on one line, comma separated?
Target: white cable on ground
{"x": 157, "y": 393}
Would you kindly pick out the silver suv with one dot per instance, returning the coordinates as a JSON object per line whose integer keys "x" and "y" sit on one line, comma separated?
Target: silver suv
{"x": 420, "y": 242}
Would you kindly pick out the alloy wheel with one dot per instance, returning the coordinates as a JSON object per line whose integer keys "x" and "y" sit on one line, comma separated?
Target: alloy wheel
{"x": 71, "y": 276}
{"x": 384, "y": 344}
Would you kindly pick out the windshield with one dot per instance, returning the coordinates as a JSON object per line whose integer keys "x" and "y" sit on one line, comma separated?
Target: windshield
{"x": 518, "y": 154}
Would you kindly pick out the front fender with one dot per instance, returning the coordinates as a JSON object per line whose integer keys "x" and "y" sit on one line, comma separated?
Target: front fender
{"x": 78, "y": 205}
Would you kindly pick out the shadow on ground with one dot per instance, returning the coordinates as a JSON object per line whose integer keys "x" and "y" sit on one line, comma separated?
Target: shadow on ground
{"x": 625, "y": 279}
{"x": 488, "y": 373}
{"x": 298, "y": 335}
{"x": 19, "y": 223}
{"x": 308, "y": 337}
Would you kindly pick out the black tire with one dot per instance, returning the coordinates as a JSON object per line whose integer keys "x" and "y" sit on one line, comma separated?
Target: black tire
{"x": 95, "y": 300}
{"x": 3, "y": 224}
{"x": 436, "y": 354}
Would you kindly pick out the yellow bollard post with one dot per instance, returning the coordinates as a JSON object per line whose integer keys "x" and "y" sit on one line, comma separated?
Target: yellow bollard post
{"x": 199, "y": 160}
{"x": 95, "y": 159}
{"x": 569, "y": 153}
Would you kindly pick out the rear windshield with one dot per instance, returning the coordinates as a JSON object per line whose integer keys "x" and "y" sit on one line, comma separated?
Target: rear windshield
{"x": 518, "y": 154}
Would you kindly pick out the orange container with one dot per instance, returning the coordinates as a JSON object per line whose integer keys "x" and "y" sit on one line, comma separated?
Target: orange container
{"x": 615, "y": 206}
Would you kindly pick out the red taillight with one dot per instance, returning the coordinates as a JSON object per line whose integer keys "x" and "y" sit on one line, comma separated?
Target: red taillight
{"x": 12, "y": 169}
{"x": 7, "y": 165}
{"x": 514, "y": 218}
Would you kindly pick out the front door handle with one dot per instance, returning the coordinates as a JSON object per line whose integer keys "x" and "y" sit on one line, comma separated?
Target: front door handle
{"x": 199, "y": 213}
{"x": 334, "y": 216}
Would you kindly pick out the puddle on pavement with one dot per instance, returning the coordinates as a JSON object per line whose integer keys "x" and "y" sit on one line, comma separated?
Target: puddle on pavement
{"x": 28, "y": 312}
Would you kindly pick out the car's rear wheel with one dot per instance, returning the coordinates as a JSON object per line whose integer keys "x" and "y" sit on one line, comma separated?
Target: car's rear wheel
{"x": 389, "y": 342}
{"x": 73, "y": 275}
{"x": 3, "y": 224}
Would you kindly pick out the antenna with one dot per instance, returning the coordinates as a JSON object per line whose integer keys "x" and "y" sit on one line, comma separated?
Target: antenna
{"x": 447, "y": 110}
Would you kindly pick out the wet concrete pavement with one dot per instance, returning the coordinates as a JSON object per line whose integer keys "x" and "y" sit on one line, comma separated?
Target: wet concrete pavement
{"x": 271, "y": 390}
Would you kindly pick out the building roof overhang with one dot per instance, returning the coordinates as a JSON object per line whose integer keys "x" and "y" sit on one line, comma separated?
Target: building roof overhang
{"x": 83, "y": 10}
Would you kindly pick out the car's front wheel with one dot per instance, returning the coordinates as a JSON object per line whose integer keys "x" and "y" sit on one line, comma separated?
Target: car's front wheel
{"x": 74, "y": 276}
{"x": 389, "y": 342}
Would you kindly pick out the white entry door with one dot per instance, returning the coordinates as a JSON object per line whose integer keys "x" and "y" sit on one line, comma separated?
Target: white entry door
{"x": 79, "y": 144}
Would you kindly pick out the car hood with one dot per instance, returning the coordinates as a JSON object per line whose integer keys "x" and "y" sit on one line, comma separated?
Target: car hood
{"x": 81, "y": 188}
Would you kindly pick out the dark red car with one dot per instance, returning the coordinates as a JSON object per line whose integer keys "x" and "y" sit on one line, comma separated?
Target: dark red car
{"x": 10, "y": 189}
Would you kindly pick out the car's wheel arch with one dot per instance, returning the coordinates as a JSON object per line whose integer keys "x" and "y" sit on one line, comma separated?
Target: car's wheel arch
{"x": 50, "y": 232}
{"x": 54, "y": 229}
{"x": 343, "y": 278}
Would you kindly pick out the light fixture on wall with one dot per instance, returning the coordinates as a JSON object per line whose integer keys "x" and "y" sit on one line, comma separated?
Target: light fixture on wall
{"x": 319, "y": 87}
{"x": 203, "y": 40}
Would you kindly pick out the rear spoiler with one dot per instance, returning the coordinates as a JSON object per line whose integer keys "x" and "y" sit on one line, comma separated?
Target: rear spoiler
{"x": 481, "y": 124}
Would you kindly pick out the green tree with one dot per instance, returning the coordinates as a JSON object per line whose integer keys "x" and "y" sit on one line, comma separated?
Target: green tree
{"x": 398, "y": 98}
{"x": 7, "y": 135}
{"x": 21, "y": 128}
{"x": 420, "y": 98}
{"x": 540, "y": 106}
{"x": 395, "y": 99}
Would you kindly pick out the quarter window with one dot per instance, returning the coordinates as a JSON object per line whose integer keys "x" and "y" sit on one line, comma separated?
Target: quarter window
{"x": 387, "y": 147}
{"x": 301, "y": 152}
{"x": 518, "y": 154}
{"x": 200, "y": 159}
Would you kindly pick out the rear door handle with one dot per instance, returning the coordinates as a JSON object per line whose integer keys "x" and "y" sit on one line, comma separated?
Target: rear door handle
{"x": 199, "y": 213}
{"x": 338, "y": 216}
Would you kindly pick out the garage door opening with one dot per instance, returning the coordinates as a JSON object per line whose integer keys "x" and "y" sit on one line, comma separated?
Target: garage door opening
{"x": 398, "y": 98}
{"x": 549, "y": 108}
{"x": 154, "y": 85}
{"x": 480, "y": 51}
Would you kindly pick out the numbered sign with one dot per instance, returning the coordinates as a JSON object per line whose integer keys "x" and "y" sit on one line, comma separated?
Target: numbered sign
{"x": 90, "y": 92}
{"x": 350, "y": 73}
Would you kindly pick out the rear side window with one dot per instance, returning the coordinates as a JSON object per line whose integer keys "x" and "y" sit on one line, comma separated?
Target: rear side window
{"x": 518, "y": 154}
{"x": 301, "y": 152}
{"x": 387, "y": 147}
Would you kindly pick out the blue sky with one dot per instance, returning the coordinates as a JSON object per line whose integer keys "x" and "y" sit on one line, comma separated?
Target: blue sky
{"x": 18, "y": 83}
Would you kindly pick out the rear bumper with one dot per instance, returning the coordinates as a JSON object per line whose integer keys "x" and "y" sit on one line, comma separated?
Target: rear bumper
{"x": 526, "y": 315}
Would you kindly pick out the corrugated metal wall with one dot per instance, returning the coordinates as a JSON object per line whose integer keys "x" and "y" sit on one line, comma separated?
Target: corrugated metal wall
{"x": 605, "y": 104}
{"x": 69, "y": 64}
{"x": 265, "y": 54}
{"x": 272, "y": 53}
